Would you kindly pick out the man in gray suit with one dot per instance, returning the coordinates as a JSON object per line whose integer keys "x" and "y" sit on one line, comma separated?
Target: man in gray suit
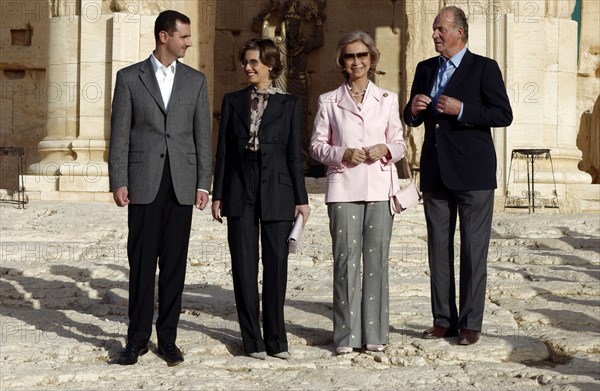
{"x": 159, "y": 165}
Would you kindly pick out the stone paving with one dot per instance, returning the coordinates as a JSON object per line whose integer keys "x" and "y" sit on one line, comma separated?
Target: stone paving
{"x": 63, "y": 290}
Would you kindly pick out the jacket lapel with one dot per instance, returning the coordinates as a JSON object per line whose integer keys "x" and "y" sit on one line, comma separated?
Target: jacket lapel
{"x": 274, "y": 108}
{"x": 179, "y": 84}
{"x": 240, "y": 102}
{"x": 344, "y": 101}
{"x": 460, "y": 72}
{"x": 373, "y": 98}
{"x": 149, "y": 80}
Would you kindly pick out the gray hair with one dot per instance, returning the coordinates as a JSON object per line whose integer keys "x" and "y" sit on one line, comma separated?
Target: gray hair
{"x": 351, "y": 37}
{"x": 460, "y": 20}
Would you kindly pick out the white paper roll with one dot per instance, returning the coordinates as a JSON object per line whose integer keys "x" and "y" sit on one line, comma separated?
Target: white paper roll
{"x": 295, "y": 234}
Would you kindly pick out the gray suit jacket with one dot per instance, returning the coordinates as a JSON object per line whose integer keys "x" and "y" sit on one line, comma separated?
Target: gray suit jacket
{"x": 144, "y": 134}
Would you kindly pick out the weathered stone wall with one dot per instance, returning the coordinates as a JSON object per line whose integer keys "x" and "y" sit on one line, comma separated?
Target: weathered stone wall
{"x": 588, "y": 89}
{"x": 24, "y": 89}
{"x": 77, "y": 43}
{"x": 234, "y": 25}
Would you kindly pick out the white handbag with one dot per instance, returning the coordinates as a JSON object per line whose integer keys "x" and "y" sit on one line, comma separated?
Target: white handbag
{"x": 405, "y": 197}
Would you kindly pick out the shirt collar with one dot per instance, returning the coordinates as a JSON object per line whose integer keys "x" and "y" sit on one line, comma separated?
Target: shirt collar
{"x": 456, "y": 59}
{"x": 271, "y": 90}
{"x": 156, "y": 65}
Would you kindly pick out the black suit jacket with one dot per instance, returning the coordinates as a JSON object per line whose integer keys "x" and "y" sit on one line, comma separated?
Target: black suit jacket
{"x": 282, "y": 175}
{"x": 461, "y": 153}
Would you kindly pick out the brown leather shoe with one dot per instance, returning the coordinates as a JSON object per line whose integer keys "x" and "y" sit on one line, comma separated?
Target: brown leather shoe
{"x": 468, "y": 337}
{"x": 438, "y": 332}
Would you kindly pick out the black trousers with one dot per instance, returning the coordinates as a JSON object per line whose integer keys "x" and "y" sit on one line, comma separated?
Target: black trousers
{"x": 159, "y": 230}
{"x": 243, "y": 239}
{"x": 475, "y": 210}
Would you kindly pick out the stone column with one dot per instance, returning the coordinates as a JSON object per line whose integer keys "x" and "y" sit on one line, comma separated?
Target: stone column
{"x": 542, "y": 85}
{"x": 61, "y": 101}
{"x": 89, "y": 170}
{"x": 90, "y": 40}
{"x": 537, "y": 55}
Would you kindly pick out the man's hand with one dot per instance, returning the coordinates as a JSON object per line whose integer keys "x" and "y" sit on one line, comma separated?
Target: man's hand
{"x": 447, "y": 105}
{"x": 121, "y": 196}
{"x": 418, "y": 104}
{"x": 201, "y": 199}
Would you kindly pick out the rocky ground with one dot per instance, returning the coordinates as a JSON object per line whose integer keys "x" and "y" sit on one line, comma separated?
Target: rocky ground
{"x": 63, "y": 289}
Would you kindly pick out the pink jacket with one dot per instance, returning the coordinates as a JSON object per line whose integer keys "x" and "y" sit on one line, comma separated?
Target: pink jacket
{"x": 339, "y": 124}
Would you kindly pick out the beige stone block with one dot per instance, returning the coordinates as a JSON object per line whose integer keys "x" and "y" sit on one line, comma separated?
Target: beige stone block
{"x": 567, "y": 47}
{"x": 584, "y": 191}
{"x": 525, "y": 135}
{"x": 548, "y": 137}
{"x": 57, "y": 48}
{"x": 56, "y": 126}
{"x": 40, "y": 182}
{"x": 566, "y": 136}
{"x": 68, "y": 196}
{"x": 551, "y": 45}
{"x": 104, "y": 197}
{"x": 146, "y": 36}
{"x": 527, "y": 44}
{"x": 92, "y": 91}
{"x": 478, "y": 37}
{"x": 64, "y": 45}
{"x": 548, "y": 93}
{"x": 94, "y": 38}
{"x": 567, "y": 98}
{"x": 72, "y": 87}
{"x": 83, "y": 184}
{"x": 388, "y": 44}
{"x": 526, "y": 95}
{"x": 93, "y": 127}
{"x": 125, "y": 44}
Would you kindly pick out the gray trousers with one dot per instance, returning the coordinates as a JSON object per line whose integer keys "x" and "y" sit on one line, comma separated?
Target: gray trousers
{"x": 360, "y": 314}
{"x": 475, "y": 211}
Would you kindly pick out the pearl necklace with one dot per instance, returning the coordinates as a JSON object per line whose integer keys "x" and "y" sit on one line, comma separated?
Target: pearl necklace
{"x": 357, "y": 94}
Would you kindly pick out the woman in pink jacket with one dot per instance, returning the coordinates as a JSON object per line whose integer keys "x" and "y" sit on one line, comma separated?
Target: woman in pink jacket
{"x": 358, "y": 135}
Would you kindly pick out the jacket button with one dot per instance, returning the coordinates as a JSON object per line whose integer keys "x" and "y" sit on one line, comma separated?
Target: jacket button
{"x": 168, "y": 135}
{"x": 437, "y": 126}
{"x": 162, "y": 155}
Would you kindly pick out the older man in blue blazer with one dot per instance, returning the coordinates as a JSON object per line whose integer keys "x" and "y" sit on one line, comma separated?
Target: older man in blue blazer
{"x": 159, "y": 165}
{"x": 459, "y": 96}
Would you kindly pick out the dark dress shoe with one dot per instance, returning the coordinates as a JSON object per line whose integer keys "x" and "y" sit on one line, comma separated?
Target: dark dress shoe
{"x": 171, "y": 353}
{"x": 130, "y": 355}
{"x": 438, "y": 332}
{"x": 468, "y": 337}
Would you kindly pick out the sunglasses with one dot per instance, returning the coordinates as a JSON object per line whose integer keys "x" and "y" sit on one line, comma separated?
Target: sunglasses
{"x": 358, "y": 56}
{"x": 253, "y": 63}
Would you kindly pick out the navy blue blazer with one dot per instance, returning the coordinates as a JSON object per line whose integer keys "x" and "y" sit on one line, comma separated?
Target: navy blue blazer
{"x": 282, "y": 174}
{"x": 461, "y": 153}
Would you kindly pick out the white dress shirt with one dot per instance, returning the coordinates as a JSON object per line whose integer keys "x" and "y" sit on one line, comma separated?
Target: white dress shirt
{"x": 165, "y": 75}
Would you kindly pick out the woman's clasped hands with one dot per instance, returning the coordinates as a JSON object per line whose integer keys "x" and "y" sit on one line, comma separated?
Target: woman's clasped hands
{"x": 373, "y": 153}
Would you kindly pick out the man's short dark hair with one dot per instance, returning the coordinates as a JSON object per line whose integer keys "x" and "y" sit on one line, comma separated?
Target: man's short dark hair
{"x": 167, "y": 21}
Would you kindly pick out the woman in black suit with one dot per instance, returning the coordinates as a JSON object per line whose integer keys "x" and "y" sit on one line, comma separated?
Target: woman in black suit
{"x": 259, "y": 182}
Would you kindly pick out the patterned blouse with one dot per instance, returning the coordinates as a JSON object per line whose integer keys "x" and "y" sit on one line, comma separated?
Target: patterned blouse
{"x": 258, "y": 104}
